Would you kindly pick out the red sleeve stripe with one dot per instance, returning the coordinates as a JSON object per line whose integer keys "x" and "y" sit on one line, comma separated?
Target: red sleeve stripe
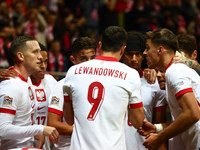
{"x": 160, "y": 108}
{"x": 56, "y": 111}
{"x": 66, "y": 98}
{"x": 137, "y": 105}
{"x": 183, "y": 92}
{"x": 8, "y": 111}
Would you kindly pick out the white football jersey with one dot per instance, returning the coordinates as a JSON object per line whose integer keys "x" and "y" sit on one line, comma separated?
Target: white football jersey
{"x": 15, "y": 114}
{"x": 153, "y": 100}
{"x": 56, "y": 106}
{"x": 181, "y": 79}
{"x": 41, "y": 94}
{"x": 101, "y": 90}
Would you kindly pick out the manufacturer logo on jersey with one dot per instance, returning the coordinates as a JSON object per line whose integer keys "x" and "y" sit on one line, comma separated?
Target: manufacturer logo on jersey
{"x": 55, "y": 101}
{"x": 39, "y": 108}
{"x": 7, "y": 100}
{"x": 178, "y": 84}
{"x": 30, "y": 93}
{"x": 40, "y": 95}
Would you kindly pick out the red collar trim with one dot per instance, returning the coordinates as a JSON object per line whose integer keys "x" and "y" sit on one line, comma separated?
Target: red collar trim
{"x": 20, "y": 76}
{"x": 107, "y": 58}
{"x": 141, "y": 73}
{"x": 170, "y": 63}
{"x": 38, "y": 83}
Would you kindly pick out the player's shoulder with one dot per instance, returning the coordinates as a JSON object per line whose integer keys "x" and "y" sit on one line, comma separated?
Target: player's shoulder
{"x": 50, "y": 78}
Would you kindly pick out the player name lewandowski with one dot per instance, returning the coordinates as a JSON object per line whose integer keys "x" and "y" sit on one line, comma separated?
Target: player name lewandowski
{"x": 101, "y": 71}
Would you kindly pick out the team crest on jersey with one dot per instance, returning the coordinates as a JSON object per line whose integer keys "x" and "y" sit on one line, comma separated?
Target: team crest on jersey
{"x": 30, "y": 93}
{"x": 55, "y": 101}
{"x": 40, "y": 95}
{"x": 7, "y": 100}
{"x": 178, "y": 84}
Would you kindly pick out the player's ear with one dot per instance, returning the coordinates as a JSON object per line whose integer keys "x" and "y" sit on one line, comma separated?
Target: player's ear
{"x": 20, "y": 56}
{"x": 122, "y": 50}
{"x": 72, "y": 59}
{"x": 194, "y": 55}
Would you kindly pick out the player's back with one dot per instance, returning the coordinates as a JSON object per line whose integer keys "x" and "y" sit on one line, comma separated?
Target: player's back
{"x": 101, "y": 90}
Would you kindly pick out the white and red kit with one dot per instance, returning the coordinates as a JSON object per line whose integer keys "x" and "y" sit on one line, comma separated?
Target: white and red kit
{"x": 41, "y": 94}
{"x": 16, "y": 129}
{"x": 56, "y": 106}
{"x": 153, "y": 100}
{"x": 101, "y": 90}
{"x": 181, "y": 79}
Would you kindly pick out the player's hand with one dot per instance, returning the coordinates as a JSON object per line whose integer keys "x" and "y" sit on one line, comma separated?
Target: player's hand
{"x": 146, "y": 128}
{"x": 150, "y": 75}
{"x": 7, "y": 73}
{"x": 41, "y": 139}
{"x": 153, "y": 141}
{"x": 52, "y": 133}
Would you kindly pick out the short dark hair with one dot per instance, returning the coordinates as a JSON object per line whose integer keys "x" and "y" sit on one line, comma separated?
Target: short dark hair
{"x": 42, "y": 47}
{"x": 19, "y": 44}
{"x": 163, "y": 37}
{"x": 113, "y": 38}
{"x": 136, "y": 41}
{"x": 82, "y": 43}
{"x": 187, "y": 42}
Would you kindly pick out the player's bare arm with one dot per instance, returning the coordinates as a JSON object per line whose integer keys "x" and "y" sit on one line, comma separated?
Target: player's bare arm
{"x": 7, "y": 73}
{"x": 41, "y": 139}
{"x": 68, "y": 112}
{"x": 136, "y": 116}
{"x": 189, "y": 116}
{"x": 54, "y": 121}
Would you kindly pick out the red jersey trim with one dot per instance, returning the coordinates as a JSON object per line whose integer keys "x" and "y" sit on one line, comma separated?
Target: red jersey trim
{"x": 170, "y": 63}
{"x": 107, "y": 58}
{"x": 56, "y": 111}
{"x": 137, "y": 105}
{"x": 183, "y": 92}
{"x": 160, "y": 108}
{"x": 66, "y": 98}
{"x": 20, "y": 76}
{"x": 8, "y": 111}
{"x": 141, "y": 73}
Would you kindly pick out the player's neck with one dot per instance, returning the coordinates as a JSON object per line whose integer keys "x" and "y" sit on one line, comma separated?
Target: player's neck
{"x": 34, "y": 80}
{"x": 22, "y": 71}
{"x": 166, "y": 59}
{"x": 111, "y": 54}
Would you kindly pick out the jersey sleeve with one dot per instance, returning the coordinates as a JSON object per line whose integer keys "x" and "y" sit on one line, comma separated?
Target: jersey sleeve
{"x": 9, "y": 99}
{"x": 135, "y": 97}
{"x": 56, "y": 102}
{"x": 177, "y": 78}
{"x": 160, "y": 101}
{"x": 10, "y": 131}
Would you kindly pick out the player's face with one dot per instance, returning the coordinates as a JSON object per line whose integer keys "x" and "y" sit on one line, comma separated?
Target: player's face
{"x": 84, "y": 55}
{"x": 151, "y": 54}
{"x": 32, "y": 56}
{"x": 161, "y": 79}
{"x": 43, "y": 66}
{"x": 133, "y": 59}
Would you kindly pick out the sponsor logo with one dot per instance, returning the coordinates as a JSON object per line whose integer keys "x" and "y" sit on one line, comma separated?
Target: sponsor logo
{"x": 178, "y": 84}
{"x": 55, "y": 101}
{"x": 39, "y": 108}
{"x": 7, "y": 100}
{"x": 40, "y": 95}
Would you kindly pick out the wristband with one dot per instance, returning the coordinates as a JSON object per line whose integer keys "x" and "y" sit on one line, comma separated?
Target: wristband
{"x": 159, "y": 127}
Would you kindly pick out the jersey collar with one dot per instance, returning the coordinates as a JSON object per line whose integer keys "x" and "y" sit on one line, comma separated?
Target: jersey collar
{"x": 107, "y": 58}
{"x": 20, "y": 76}
{"x": 170, "y": 63}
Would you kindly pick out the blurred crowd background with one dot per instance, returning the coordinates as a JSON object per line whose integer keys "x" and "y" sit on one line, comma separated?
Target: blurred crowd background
{"x": 57, "y": 23}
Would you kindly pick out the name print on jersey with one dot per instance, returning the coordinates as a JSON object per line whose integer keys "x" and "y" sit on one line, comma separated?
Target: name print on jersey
{"x": 101, "y": 71}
